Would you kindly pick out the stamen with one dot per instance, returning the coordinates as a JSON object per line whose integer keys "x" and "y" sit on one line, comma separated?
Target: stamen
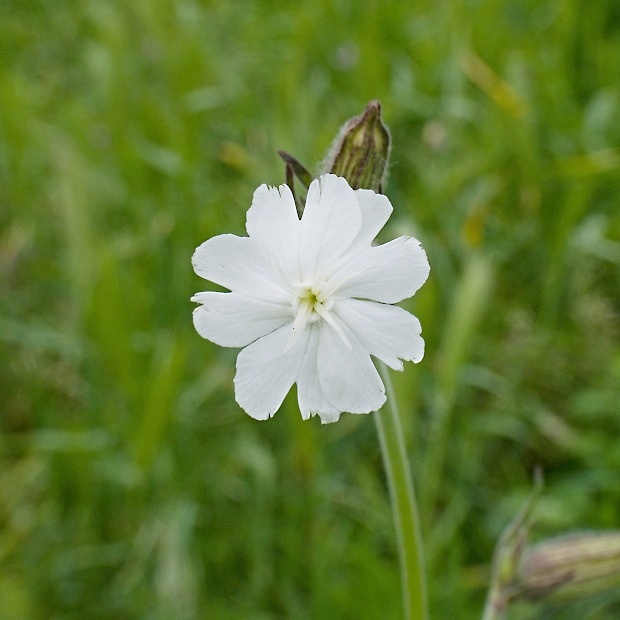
{"x": 301, "y": 318}
{"x": 333, "y": 323}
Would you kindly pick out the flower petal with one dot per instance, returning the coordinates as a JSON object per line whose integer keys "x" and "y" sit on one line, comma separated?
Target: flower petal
{"x": 376, "y": 210}
{"x": 266, "y": 371}
{"x": 348, "y": 376}
{"x": 239, "y": 264}
{"x": 387, "y": 273}
{"x": 387, "y": 332}
{"x": 273, "y": 222}
{"x": 310, "y": 395}
{"x": 331, "y": 221}
{"x": 236, "y": 320}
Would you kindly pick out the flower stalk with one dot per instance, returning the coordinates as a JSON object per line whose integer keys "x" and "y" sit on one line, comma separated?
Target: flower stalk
{"x": 404, "y": 507}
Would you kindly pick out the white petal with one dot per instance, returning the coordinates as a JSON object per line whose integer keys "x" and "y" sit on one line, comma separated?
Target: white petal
{"x": 310, "y": 395}
{"x": 387, "y": 273}
{"x": 331, "y": 221}
{"x": 273, "y": 222}
{"x": 387, "y": 332}
{"x": 376, "y": 210}
{"x": 235, "y": 320}
{"x": 239, "y": 264}
{"x": 348, "y": 376}
{"x": 266, "y": 372}
{"x": 330, "y": 417}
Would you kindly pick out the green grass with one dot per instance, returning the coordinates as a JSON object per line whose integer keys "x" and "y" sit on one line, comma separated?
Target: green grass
{"x": 131, "y": 485}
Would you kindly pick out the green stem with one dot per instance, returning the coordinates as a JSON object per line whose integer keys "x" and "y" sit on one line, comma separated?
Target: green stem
{"x": 495, "y": 605}
{"x": 404, "y": 506}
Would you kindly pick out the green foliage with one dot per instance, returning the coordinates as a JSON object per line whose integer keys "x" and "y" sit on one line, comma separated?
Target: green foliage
{"x": 131, "y": 485}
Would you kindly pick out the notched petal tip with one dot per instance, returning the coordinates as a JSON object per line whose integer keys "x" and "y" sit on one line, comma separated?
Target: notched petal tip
{"x": 397, "y": 365}
{"x": 278, "y": 192}
{"x": 329, "y": 418}
{"x": 200, "y": 321}
{"x": 421, "y": 259}
{"x": 250, "y": 407}
{"x": 198, "y": 297}
{"x": 419, "y": 356}
{"x": 259, "y": 416}
{"x": 387, "y": 273}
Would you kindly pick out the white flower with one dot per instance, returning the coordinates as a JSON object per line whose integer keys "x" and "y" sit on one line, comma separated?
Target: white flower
{"x": 310, "y": 300}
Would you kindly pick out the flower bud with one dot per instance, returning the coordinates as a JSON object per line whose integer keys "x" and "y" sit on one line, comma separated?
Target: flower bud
{"x": 570, "y": 566}
{"x": 361, "y": 150}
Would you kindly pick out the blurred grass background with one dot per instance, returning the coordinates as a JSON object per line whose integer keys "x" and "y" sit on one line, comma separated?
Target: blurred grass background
{"x": 131, "y": 485}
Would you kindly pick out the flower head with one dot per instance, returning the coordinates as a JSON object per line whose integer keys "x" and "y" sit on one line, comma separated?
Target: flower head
{"x": 310, "y": 300}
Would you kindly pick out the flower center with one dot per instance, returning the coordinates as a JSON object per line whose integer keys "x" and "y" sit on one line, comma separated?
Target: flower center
{"x": 311, "y": 303}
